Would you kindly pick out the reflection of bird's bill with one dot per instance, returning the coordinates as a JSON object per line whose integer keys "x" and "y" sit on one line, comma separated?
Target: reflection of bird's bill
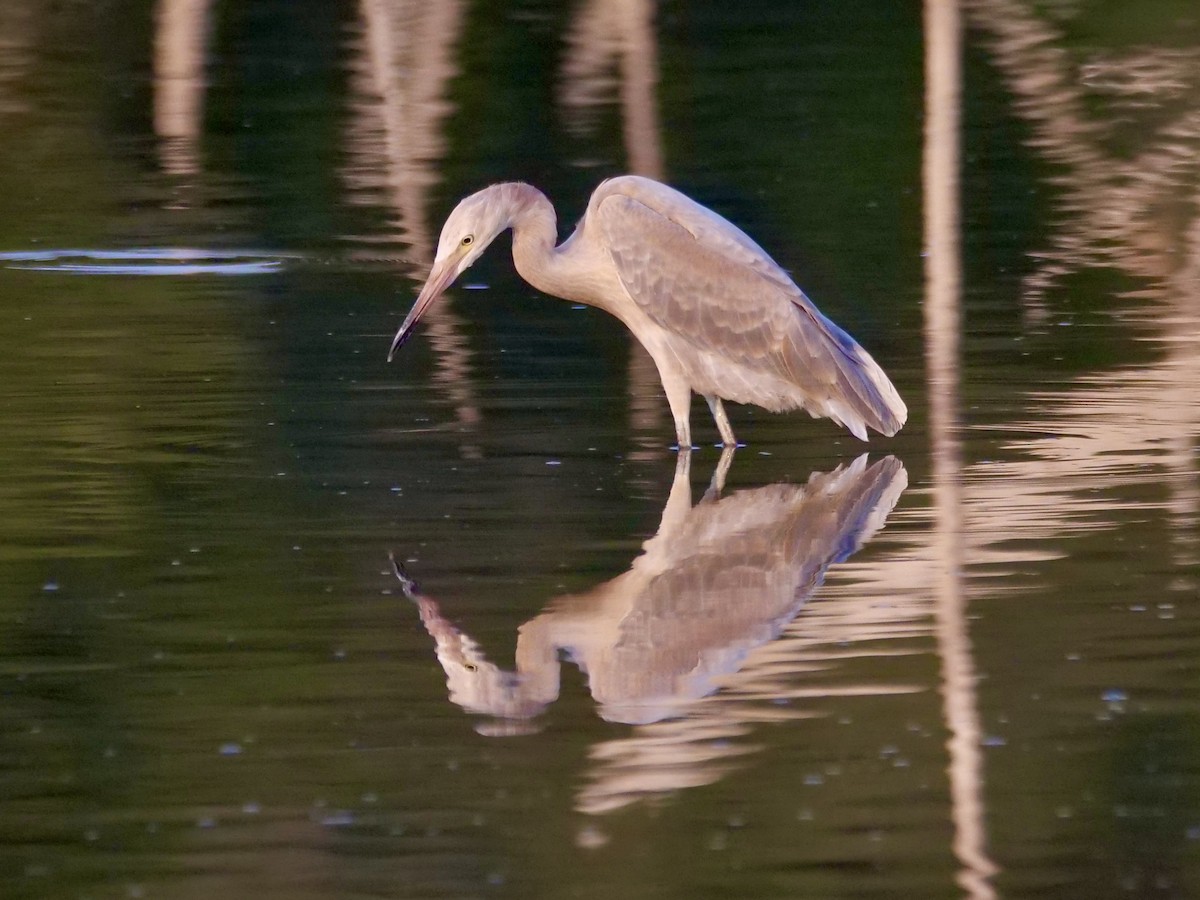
{"x": 406, "y": 584}
{"x": 439, "y": 279}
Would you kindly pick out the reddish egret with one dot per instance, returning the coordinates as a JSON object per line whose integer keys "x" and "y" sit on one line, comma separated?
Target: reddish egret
{"x": 716, "y": 313}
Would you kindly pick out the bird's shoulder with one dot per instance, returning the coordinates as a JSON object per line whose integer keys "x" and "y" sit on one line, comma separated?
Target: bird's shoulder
{"x": 630, "y": 207}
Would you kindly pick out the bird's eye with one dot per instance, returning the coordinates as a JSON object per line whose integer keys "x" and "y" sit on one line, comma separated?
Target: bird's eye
{"x": 468, "y": 240}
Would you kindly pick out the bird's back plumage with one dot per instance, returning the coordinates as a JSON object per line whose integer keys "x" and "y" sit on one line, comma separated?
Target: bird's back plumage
{"x": 738, "y": 325}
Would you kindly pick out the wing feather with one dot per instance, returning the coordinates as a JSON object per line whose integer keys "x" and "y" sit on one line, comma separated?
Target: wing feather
{"x": 702, "y": 279}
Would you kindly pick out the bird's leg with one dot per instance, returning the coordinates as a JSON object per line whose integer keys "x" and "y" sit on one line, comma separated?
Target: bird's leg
{"x": 679, "y": 397}
{"x": 717, "y": 408}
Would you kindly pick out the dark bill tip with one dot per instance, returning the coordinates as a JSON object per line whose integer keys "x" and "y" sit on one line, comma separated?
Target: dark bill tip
{"x": 399, "y": 341}
{"x": 439, "y": 279}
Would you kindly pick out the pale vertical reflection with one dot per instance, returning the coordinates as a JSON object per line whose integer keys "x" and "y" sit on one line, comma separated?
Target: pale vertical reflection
{"x": 1122, "y": 208}
{"x": 180, "y": 44}
{"x": 16, "y": 55}
{"x": 1184, "y": 504}
{"x": 1136, "y": 210}
{"x": 943, "y": 322}
{"x": 397, "y": 109}
{"x": 607, "y": 35}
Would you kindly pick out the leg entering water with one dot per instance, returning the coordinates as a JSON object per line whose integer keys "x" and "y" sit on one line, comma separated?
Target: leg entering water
{"x": 717, "y": 408}
{"x": 679, "y": 396}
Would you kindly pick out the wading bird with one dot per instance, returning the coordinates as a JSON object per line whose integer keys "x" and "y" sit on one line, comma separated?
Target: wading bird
{"x": 716, "y": 313}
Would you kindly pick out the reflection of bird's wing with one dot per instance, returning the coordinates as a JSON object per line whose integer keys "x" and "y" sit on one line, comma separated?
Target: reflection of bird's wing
{"x": 702, "y": 279}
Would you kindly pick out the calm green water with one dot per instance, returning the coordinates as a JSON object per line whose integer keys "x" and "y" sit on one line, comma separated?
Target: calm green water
{"x": 213, "y": 217}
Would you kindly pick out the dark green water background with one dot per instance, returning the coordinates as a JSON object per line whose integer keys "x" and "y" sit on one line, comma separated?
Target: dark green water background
{"x": 211, "y": 683}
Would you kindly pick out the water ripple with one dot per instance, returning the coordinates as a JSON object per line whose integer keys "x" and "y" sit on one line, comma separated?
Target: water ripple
{"x": 147, "y": 261}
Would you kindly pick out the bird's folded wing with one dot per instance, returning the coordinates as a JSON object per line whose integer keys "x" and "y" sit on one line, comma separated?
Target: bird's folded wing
{"x": 700, "y": 283}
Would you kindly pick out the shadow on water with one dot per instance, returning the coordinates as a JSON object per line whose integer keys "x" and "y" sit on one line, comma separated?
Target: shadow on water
{"x": 669, "y": 645}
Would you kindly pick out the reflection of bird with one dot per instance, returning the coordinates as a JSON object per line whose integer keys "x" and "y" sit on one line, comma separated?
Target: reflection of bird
{"x": 718, "y": 316}
{"x": 718, "y": 580}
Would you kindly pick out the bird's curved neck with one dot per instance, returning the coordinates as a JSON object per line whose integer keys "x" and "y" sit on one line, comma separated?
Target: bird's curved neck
{"x": 535, "y": 233}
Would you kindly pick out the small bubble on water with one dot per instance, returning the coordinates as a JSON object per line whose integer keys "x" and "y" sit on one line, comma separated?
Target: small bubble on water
{"x": 50, "y": 587}
{"x": 995, "y": 740}
{"x": 251, "y": 808}
{"x": 814, "y": 778}
{"x": 1114, "y": 695}
{"x": 206, "y": 822}
{"x": 230, "y": 748}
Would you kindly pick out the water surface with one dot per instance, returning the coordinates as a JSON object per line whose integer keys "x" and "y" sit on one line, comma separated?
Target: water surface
{"x": 965, "y": 665}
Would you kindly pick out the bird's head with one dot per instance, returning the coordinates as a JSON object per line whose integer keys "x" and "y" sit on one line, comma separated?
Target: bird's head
{"x": 468, "y": 231}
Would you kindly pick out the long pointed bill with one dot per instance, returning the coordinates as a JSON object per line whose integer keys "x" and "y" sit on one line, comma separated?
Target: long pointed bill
{"x": 439, "y": 279}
